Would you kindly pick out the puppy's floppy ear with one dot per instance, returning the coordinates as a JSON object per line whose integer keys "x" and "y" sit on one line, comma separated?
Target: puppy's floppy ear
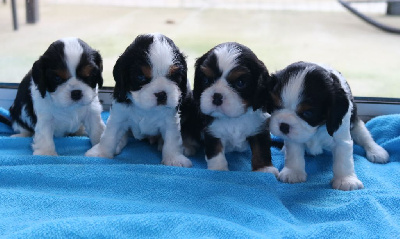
{"x": 262, "y": 98}
{"x": 339, "y": 106}
{"x": 198, "y": 75}
{"x": 99, "y": 62}
{"x": 121, "y": 86}
{"x": 183, "y": 85}
{"x": 39, "y": 77}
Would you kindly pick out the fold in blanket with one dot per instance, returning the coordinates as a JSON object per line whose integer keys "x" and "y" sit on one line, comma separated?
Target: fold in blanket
{"x": 133, "y": 195}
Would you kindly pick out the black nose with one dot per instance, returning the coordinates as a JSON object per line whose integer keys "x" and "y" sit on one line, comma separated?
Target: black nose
{"x": 76, "y": 95}
{"x": 217, "y": 99}
{"x": 284, "y": 128}
{"x": 161, "y": 97}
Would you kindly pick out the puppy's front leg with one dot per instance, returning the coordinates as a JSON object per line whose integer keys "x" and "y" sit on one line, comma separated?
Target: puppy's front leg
{"x": 94, "y": 126}
{"x": 260, "y": 145}
{"x": 294, "y": 170}
{"x": 215, "y": 153}
{"x": 344, "y": 176}
{"x": 43, "y": 139}
{"x": 172, "y": 151}
{"x": 115, "y": 129}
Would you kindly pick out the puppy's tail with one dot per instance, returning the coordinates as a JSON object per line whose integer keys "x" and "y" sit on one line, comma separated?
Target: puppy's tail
{"x": 5, "y": 120}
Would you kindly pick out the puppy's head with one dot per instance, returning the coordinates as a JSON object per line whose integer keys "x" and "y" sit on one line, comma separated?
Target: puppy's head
{"x": 305, "y": 96}
{"x": 151, "y": 72}
{"x": 226, "y": 79}
{"x": 69, "y": 72}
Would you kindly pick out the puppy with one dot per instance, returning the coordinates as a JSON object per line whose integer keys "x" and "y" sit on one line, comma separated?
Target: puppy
{"x": 313, "y": 109}
{"x": 226, "y": 80}
{"x": 150, "y": 83}
{"x": 58, "y": 96}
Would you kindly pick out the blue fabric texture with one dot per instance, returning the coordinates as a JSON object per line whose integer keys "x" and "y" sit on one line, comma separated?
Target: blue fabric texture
{"x": 133, "y": 196}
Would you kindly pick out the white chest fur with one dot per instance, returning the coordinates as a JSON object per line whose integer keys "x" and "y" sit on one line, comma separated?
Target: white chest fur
{"x": 234, "y": 132}
{"x": 144, "y": 123}
{"x": 319, "y": 142}
{"x": 68, "y": 121}
{"x": 65, "y": 120}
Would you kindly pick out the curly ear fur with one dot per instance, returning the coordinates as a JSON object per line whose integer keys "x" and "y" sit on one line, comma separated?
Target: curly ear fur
{"x": 99, "y": 62}
{"x": 121, "y": 87}
{"x": 198, "y": 75}
{"x": 262, "y": 97}
{"x": 184, "y": 85}
{"x": 339, "y": 106}
{"x": 38, "y": 76}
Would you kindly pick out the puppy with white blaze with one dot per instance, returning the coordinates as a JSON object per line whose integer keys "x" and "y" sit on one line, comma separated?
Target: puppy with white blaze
{"x": 313, "y": 110}
{"x": 150, "y": 84}
{"x": 58, "y": 97}
{"x": 226, "y": 80}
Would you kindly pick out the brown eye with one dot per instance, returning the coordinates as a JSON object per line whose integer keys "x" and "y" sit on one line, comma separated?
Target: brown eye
{"x": 206, "y": 80}
{"x": 240, "y": 84}
{"x": 307, "y": 114}
{"x": 142, "y": 79}
{"x": 58, "y": 79}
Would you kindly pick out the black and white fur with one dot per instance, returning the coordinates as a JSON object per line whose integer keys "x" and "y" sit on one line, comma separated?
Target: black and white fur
{"x": 312, "y": 110}
{"x": 58, "y": 97}
{"x": 226, "y": 80}
{"x": 151, "y": 81}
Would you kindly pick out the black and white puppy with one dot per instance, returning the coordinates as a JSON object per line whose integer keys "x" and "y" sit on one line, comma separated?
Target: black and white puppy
{"x": 58, "y": 96}
{"x": 225, "y": 83}
{"x": 313, "y": 109}
{"x": 151, "y": 81}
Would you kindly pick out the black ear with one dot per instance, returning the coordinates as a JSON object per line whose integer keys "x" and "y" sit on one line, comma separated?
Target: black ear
{"x": 183, "y": 85}
{"x": 262, "y": 97}
{"x": 338, "y": 108}
{"x": 198, "y": 75}
{"x": 120, "y": 78}
{"x": 99, "y": 62}
{"x": 38, "y": 77}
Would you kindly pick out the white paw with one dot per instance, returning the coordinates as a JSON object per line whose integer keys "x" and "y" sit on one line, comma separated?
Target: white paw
{"x": 177, "y": 161}
{"x": 218, "y": 163}
{"x": 45, "y": 152}
{"x": 377, "y": 154}
{"x": 122, "y": 143}
{"x": 347, "y": 183}
{"x": 314, "y": 148}
{"x": 218, "y": 167}
{"x": 81, "y": 131}
{"x": 96, "y": 151}
{"x": 269, "y": 169}
{"x": 288, "y": 175}
{"x": 23, "y": 134}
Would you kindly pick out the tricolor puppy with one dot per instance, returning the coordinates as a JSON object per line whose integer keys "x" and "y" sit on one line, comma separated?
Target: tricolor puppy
{"x": 58, "y": 96}
{"x": 226, "y": 80}
{"x": 313, "y": 110}
{"x": 150, "y": 83}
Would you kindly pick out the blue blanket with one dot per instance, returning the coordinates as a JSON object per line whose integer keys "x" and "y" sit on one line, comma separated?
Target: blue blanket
{"x": 134, "y": 196}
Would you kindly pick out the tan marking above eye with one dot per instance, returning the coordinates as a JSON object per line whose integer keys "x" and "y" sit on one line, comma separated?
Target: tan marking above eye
{"x": 173, "y": 69}
{"x": 276, "y": 99}
{"x": 86, "y": 70}
{"x": 63, "y": 73}
{"x": 303, "y": 107}
{"x": 207, "y": 71}
{"x": 236, "y": 73}
{"x": 146, "y": 71}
